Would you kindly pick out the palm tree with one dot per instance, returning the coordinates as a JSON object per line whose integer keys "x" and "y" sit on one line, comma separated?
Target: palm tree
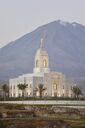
{"x": 5, "y": 90}
{"x": 40, "y": 89}
{"x": 76, "y": 91}
{"x": 22, "y": 87}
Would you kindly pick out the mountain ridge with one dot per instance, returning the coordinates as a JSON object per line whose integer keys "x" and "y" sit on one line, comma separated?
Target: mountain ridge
{"x": 64, "y": 42}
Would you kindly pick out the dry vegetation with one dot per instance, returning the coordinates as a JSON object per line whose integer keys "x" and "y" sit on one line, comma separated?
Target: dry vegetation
{"x": 24, "y": 116}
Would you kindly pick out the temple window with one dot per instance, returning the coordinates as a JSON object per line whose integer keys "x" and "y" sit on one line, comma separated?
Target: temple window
{"x": 27, "y": 93}
{"x": 14, "y": 87}
{"x": 19, "y": 94}
{"x": 45, "y": 64}
{"x": 14, "y": 94}
{"x": 36, "y": 63}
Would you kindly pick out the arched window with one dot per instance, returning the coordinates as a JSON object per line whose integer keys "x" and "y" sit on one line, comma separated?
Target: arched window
{"x": 27, "y": 93}
{"x": 14, "y": 86}
{"x": 45, "y": 64}
{"x": 14, "y": 95}
{"x": 19, "y": 95}
{"x": 36, "y": 63}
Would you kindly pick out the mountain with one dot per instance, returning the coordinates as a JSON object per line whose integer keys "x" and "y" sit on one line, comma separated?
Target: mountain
{"x": 65, "y": 43}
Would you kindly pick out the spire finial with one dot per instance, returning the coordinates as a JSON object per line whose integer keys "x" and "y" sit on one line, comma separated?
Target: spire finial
{"x": 41, "y": 42}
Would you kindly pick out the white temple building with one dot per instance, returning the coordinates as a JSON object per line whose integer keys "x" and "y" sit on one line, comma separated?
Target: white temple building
{"x": 54, "y": 82}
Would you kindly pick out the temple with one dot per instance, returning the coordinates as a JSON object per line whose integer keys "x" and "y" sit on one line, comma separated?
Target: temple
{"x": 54, "y": 82}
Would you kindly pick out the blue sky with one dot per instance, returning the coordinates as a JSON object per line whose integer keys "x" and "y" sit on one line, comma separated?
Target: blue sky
{"x": 18, "y": 17}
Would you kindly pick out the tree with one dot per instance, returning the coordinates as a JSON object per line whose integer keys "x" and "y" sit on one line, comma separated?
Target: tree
{"x": 40, "y": 89}
{"x": 5, "y": 89}
{"x": 22, "y": 87}
{"x": 76, "y": 91}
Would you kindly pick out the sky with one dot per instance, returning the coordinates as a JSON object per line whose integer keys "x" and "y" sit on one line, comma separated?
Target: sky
{"x": 18, "y": 17}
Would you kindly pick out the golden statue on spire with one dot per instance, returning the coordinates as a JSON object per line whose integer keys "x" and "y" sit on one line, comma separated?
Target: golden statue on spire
{"x": 41, "y": 42}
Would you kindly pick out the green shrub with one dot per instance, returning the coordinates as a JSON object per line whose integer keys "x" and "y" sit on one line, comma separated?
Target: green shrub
{"x": 2, "y": 124}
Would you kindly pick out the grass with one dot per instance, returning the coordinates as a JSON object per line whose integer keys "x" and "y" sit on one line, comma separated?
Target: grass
{"x": 37, "y": 98}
